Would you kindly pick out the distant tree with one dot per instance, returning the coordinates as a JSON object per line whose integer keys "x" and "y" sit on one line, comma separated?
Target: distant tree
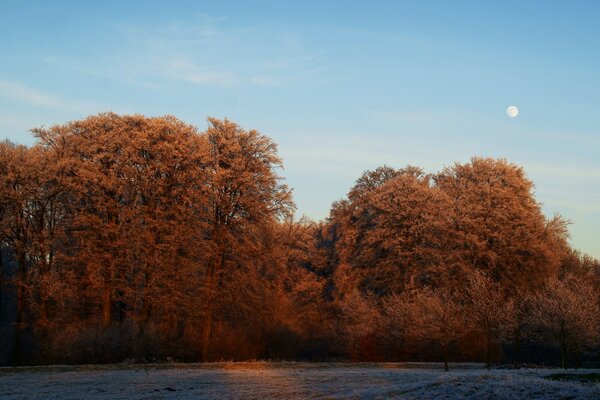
{"x": 488, "y": 308}
{"x": 438, "y": 317}
{"x": 517, "y": 322}
{"x": 566, "y": 313}
{"x": 577, "y": 263}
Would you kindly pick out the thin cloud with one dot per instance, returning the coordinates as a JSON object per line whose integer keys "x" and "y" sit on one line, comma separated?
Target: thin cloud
{"x": 30, "y": 96}
{"x": 36, "y": 98}
{"x": 80, "y": 68}
{"x": 197, "y": 74}
{"x": 203, "y": 53}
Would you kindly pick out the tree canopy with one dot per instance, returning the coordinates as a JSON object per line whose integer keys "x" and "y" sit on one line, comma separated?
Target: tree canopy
{"x": 146, "y": 238}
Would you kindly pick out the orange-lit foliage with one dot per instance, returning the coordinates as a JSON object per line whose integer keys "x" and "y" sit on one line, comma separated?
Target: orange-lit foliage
{"x": 499, "y": 225}
{"x": 245, "y": 197}
{"x": 143, "y": 238}
{"x": 130, "y": 184}
{"x": 160, "y": 226}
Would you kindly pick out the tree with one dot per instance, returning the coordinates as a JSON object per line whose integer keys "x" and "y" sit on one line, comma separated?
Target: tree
{"x": 488, "y": 309}
{"x": 304, "y": 282}
{"x": 350, "y": 221}
{"x": 438, "y": 317}
{"x": 398, "y": 314}
{"x": 243, "y": 193}
{"x": 142, "y": 237}
{"x": 517, "y": 322}
{"x": 566, "y": 313}
{"x": 31, "y": 215}
{"x": 16, "y": 192}
{"x": 500, "y": 228}
{"x": 391, "y": 231}
{"x": 410, "y": 234}
{"x": 133, "y": 198}
{"x": 361, "y": 320}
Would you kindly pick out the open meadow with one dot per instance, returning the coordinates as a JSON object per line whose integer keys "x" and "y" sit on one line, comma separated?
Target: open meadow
{"x": 259, "y": 380}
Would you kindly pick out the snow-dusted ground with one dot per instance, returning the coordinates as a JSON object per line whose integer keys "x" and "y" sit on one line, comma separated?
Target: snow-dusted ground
{"x": 287, "y": 381}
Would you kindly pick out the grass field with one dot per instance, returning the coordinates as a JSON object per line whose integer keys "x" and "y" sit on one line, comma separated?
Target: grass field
{"x": 265, "y": 380}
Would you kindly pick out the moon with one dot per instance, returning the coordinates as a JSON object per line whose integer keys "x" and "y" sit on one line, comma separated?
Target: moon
{"x": 512, "y": 111}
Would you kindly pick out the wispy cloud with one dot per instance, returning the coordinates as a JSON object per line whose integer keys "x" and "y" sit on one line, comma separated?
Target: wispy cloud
{"x": 206, "y": 52}
{"x": 298, "y": 65}
{"x": 106, "y": 70}
{"x": 33, "y": 97}
{"x": 30, "y": 96}
{"x": 197, "y": 74}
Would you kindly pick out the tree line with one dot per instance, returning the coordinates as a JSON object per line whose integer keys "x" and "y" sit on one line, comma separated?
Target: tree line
{"x": 134, "y": 238}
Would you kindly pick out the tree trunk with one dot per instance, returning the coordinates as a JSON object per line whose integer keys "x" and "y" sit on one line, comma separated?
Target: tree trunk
{"x": 213, "y": 287}
{"x": 563, "y": 348}
{"x": 206, "y": 333}
{"x": 446, "y": 357}
{"x": 2, "y": 287}
{"x": 20, "y": 325}
{"x": 106, "y": 305}
{"x": 488, "y": 351}
{"x": 20, "y": 322}
{"x": 146, "y": 312}
{"x": 207, "y": 328}
{"x": 517, "y": 350}
{"x": 43, "y": 313}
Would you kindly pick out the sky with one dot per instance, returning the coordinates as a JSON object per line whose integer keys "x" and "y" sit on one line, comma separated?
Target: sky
{"x": 341, "y": 86}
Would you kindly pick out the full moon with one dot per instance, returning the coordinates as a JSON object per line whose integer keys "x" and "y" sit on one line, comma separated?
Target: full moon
{"x": 512, "y": 111}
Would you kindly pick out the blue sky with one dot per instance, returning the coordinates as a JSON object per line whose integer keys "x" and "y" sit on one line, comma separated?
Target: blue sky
{"x": 341, "y": 86}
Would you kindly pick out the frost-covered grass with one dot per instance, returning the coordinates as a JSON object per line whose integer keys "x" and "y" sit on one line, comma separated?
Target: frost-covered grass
{"x": 289, "y": 380}
{"x": 590, "y": 377}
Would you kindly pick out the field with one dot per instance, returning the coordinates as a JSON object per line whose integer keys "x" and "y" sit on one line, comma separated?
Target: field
{"x": 261, "y": 380}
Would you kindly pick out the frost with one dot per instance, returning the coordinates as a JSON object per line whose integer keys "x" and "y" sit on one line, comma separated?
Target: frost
{"x": 287, "y": 381}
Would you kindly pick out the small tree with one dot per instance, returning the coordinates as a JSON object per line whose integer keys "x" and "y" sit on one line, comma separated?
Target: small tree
{"x": 360, "y": 318}
{"x": 517, "y": 322}
{"x": 487, "y": 308}
{"x": 566, "y": 313}
{"x": 397, "y": 312}
{"x": 438, "y": 316}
